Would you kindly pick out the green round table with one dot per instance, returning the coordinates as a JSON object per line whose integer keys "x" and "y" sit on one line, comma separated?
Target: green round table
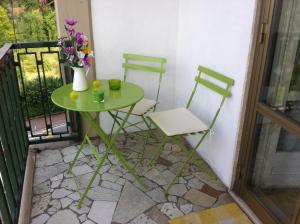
{"x": 128, "y": 95}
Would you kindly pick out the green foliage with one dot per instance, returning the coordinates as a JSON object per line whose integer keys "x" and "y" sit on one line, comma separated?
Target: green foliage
{"x": 4, "y": 3}
{"x": 50, "y": 23}
{"x": 29, "y": 27}
{"x": 29, "y": 66}
{"x": 35, "y": 97}
{"x": 29, "y": 4}
{"x": 6, "y": 28}
{"x": 35, "y": 26}
{"x": 32, "y": 23}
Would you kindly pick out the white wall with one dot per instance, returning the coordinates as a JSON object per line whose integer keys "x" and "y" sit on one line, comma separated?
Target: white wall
{"x": 136, "y": 26}
{"x": 188, "y": 33}
{"x": 215, "y": 34}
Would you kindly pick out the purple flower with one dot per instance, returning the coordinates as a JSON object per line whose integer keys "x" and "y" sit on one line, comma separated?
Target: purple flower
{"x": 87, "y": 62}
{"x": 71, "y": 22}
{"x": 71, "y": 31}
{"x": 85, "y": 40}
{"x": 60, "y": 41}
{"x": 79, "y": 38}
{"x": 70, "y": 50}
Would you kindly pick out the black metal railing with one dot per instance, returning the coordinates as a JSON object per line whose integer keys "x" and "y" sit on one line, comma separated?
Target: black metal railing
{"x": 44, "y": 121}
{"x": 13, "y": 139}
{"x": 17, "y": 117}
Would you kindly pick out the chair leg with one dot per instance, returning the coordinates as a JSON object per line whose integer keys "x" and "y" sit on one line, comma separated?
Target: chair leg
{"x": 191, "y": 155}
{"x": 179, "y": 172}
{"x": 113, "y": 126}
{"x": 199, "y": 164}
{"x": 149, "y": 127}
{"x": 158, "y": 151}
{"x": 115, "y": 118}
{"x": 141, "y": 155}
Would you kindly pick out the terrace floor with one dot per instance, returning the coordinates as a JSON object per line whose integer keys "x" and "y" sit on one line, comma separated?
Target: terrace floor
{"x": 115, "y": 196}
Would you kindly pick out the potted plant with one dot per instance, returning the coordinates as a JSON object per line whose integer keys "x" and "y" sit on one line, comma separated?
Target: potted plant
{"x": 77, "y": 54}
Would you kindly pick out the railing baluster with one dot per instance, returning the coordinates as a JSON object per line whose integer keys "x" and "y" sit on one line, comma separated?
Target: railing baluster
{"x": 46, "y": 93}
{"x": 8, "y": 159}
{"x": 16, "y": 125}
{"x": 41, "y": 90}
{"x": 11, "y": 127}
{"x": 10, "y": 194}
{"x": 4, "y": 211}
{"x": 20, "y": 112}
{"x": 62, "y": 82}
{"x": 12, "y": 147}
{"x": 24, "y": 90}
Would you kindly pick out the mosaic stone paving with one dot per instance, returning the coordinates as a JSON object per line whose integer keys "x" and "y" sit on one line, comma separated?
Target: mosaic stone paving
{"x": 115, "y": 197}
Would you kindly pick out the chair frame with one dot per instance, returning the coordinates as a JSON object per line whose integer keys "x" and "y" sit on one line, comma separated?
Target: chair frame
{"x": 192, "y": 153}
{"x": 128, "y": 65}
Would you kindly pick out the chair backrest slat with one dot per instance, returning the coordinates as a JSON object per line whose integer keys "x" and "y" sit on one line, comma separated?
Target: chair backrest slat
{"x": 224, "y": 92}
{"x": 145, "y": 68}
{"x": 212, "y": 86}
{"x": 138, "y": 57}
{"x": 216, "y": 75}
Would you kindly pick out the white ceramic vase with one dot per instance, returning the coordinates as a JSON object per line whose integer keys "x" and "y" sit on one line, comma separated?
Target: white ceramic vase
{"x": 79, "y": 81}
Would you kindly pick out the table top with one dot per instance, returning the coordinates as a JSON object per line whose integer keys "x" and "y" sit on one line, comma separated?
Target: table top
{"x": 128, "y": 95}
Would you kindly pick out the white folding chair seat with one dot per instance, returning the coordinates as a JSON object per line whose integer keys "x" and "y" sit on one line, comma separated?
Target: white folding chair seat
{"x": 178, "y": 121}
{"x": 141, "y": 107}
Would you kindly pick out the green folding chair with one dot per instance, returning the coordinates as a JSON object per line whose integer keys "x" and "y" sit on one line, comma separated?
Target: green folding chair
{"x": 144, "y": 64}
{"x": 181, "y": 121}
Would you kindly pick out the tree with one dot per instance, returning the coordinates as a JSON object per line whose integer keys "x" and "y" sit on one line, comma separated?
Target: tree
{"x": 4, "y": 3}
{"x": 6, "y": 28}
{"x": 50, "y": 23}
{"x": 33, "y": 26}
{"x": 30, "y": 4}
{"x": 29, "y": 26}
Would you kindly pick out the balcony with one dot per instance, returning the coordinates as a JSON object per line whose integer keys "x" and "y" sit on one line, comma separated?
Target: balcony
{"x": 235, "y": 67}
{"x": 115, "y": 196}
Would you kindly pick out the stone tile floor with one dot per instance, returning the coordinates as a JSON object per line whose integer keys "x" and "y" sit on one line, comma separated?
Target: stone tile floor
{"x": 115, "y": 197}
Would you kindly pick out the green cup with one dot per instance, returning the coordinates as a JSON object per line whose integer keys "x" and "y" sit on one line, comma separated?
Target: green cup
{"x": 114, "y": 84}
{"x": 98, "y": 96}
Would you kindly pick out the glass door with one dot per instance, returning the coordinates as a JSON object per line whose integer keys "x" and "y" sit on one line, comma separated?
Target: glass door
{"x": 270, "y": 179}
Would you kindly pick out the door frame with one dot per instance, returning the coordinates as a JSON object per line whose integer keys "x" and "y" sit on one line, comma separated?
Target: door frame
{"x": 265, "y": 12}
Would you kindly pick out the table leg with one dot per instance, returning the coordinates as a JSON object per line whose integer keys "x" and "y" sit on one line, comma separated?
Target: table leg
{"x": 78, "y": 152}
{"x": 117, "y": 151}
{"x": 85, "y": 139}
{"x": 87, "y": 189}
{"x": 93, "y": 149}
{"x": 110, "y": 146}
